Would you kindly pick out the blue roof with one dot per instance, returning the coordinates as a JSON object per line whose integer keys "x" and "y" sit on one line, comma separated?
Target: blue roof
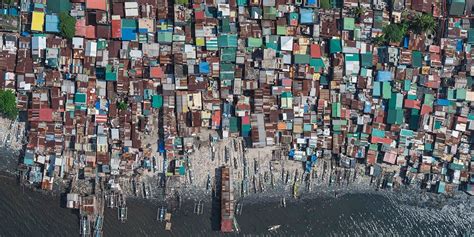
{"x": 384, "y": 76}
{"x": 406, "y": 41}
{"x": 459, "y": 46}
{"x": 306, "y": 16}
{"x": 442, "y": 102}
{"x": 52, "y": 23}
{"x": 367, "y": 107}
{"x": 35, "y": 42}
{"x": 204, "y": 67}
{"x": 129, "y": 34}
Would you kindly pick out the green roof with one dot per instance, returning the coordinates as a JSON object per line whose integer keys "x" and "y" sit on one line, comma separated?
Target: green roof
{"x": 157, "y": 101}
{"x": 349, "y": 23}
{"x": 386, "y": 90}
{"x": 165, "y": 36}
{"x": 336, "y": 109}
{"x": 254, "y": 42}
{"x": 460, "y": 94}
{"x": 302, "y": 58}
{"x": 429, "y": 99}
{"x": 335, "y": 46}
{"x": 269, "y": 13}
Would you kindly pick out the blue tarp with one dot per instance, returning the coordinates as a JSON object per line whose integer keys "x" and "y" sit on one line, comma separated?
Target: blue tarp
{"x": 459, "y": 46}
{"x": 306, "y": 16}
{"x": 129, "y": 34}
{"x": 291, "y": 154}
{"x": 442, "y": 102}
{"x": 204, "y": 68}
{"x": 384, "y": 76}
{"x": 52, "y": 23}
{"x": 367, "y": 107}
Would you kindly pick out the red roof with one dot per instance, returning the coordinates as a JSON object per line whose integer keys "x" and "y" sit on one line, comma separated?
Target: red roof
{"x": 381, "y": 140}
{"x": 156, "y": 72}
{"x": 412, "y": 104}
{"x": 81, "y": 27}
{"x": 425, "y": 109}
{"x": 116, "y": 28}
{"x": 315, "y": 51}
{"x": 246, "y": 119}
{"x": 226, "y": 226}
{"x": 90, "y": 32}
{"x": 199, "y": 15}
{"x": 46, "y": 115}
{"x": 96, "y": 4}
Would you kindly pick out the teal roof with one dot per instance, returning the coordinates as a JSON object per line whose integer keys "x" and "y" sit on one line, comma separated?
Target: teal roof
{"x": 157, "y": 101}
{"x": 302, "y": 58}
{"x": 417, "y": 59}
{"x": 335, "y": 46}
{"x": 58, "y": 6}
{"x": 366, "y": 59}
{"x": 227, "y": 40}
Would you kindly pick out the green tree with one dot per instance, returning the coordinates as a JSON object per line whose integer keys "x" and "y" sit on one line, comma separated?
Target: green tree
{"x": 394, "y": 33}
{"x": 8, "y": 104}
{"x": 423, "y": 23}
{"x": 358, "y": 11}
{"x": 325, "y": 4}
{"x": 122, "y": 105}
{"x": 67, "y": 24}
{"x": 379, "y": 40}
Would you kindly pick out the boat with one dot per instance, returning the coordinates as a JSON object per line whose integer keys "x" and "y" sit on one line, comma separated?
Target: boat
{"x": 208, "y": 185}
{"x": 161, "y": 214}
{"x": 122, "y": 214}
{"x": 274, "y": 227}
{"x": 283, "y": 202}
{"x": 227, "y": 201}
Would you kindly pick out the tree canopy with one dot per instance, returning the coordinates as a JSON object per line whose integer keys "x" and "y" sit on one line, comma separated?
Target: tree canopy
{"x": 423, "y": 23}
{"x": 8, "y": 104}
{"x": 67, "y": 24}
{"x": 394, "y": 33}
{"x": 122, "y": 105}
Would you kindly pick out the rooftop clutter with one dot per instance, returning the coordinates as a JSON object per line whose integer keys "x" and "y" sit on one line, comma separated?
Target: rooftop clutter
{"x": 319, "y": 78}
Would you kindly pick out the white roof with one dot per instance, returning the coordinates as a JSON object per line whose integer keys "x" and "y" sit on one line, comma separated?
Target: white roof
{"x": 78, "y": 43}
{"x": 91, "y": 49}
{"x": 286, "y": 43}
